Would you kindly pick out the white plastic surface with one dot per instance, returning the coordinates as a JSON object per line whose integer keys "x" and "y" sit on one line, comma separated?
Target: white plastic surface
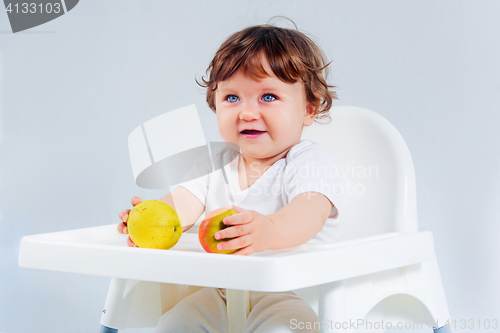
{"x": 103, "y": 251}
{"x": 238, "y": 309}
{"x": 375, "y": 169}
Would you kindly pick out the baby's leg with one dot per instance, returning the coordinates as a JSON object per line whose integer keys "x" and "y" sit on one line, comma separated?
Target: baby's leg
{"x": 282, "y": 312}
{"x": 203, "y": 311}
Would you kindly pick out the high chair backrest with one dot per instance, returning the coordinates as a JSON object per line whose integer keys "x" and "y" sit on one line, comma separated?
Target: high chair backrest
{"x": 375, "y": 170}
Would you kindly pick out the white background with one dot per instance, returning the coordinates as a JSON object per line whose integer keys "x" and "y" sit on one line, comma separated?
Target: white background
{"x": 72, "y": 90}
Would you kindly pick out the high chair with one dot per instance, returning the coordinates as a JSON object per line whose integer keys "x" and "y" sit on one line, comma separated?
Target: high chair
{"x": 381, "y": 272}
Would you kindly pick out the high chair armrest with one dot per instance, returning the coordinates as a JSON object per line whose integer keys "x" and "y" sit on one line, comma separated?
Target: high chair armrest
{"x": 316, "y": 264}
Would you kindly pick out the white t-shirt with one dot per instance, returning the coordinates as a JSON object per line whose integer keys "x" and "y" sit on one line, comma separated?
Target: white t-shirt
{"x": 306, "y": 168}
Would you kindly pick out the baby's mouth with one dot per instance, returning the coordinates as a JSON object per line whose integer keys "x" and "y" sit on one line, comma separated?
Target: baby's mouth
{"x": 252, "y": 133}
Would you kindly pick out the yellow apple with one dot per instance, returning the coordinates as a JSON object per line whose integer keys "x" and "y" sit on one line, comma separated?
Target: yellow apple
{"x": 154, "y": 224}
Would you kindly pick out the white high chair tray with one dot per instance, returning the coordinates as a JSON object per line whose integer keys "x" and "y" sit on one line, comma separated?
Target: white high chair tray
{"x": 103, "y": 251}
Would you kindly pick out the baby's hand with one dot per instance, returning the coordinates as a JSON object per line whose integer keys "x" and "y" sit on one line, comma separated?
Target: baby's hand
{"x": 122, "y": 227}
{"x": 254, "y": 232}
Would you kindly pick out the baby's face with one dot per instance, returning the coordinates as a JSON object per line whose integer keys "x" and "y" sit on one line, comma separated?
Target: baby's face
{"x": 277, "y": 110}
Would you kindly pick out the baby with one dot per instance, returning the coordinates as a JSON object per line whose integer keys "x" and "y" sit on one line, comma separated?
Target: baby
{"x": 264, "y": 84}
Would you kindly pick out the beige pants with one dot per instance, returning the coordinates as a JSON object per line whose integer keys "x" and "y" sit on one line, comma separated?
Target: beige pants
{"x": 205, "y": 311}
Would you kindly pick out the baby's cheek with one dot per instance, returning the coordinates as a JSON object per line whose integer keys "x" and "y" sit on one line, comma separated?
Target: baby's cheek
{"x": 223, "y": 128}
{"x": 226, "y": 134}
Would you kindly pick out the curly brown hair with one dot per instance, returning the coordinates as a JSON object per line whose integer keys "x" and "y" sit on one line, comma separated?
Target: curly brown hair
{"x": 291, "y": 54}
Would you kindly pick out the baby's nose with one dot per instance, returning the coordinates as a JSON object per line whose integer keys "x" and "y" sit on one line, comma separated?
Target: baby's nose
{"x": 249, "y": 113}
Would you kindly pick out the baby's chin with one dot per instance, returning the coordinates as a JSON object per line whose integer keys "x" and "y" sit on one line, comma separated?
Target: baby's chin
{"x": 254, "y": 153}
{"x": 261, "y": 154}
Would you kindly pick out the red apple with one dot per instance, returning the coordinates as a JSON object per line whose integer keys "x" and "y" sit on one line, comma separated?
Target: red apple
{"x": 210, "y": 225}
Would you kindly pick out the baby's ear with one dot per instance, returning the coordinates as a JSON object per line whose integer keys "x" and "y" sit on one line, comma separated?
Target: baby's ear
{"x": 309, "y": 115}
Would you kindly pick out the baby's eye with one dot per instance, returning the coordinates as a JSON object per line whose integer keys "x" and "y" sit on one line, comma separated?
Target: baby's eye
{"x": 268, "y": 98}
{"x": 232, "y": 98}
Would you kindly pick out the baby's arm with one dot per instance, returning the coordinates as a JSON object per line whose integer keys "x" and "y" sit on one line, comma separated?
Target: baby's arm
{"x": 300, "y": 220}
{"x": 293, "y": 225}
{"x": 186, "y": 204}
